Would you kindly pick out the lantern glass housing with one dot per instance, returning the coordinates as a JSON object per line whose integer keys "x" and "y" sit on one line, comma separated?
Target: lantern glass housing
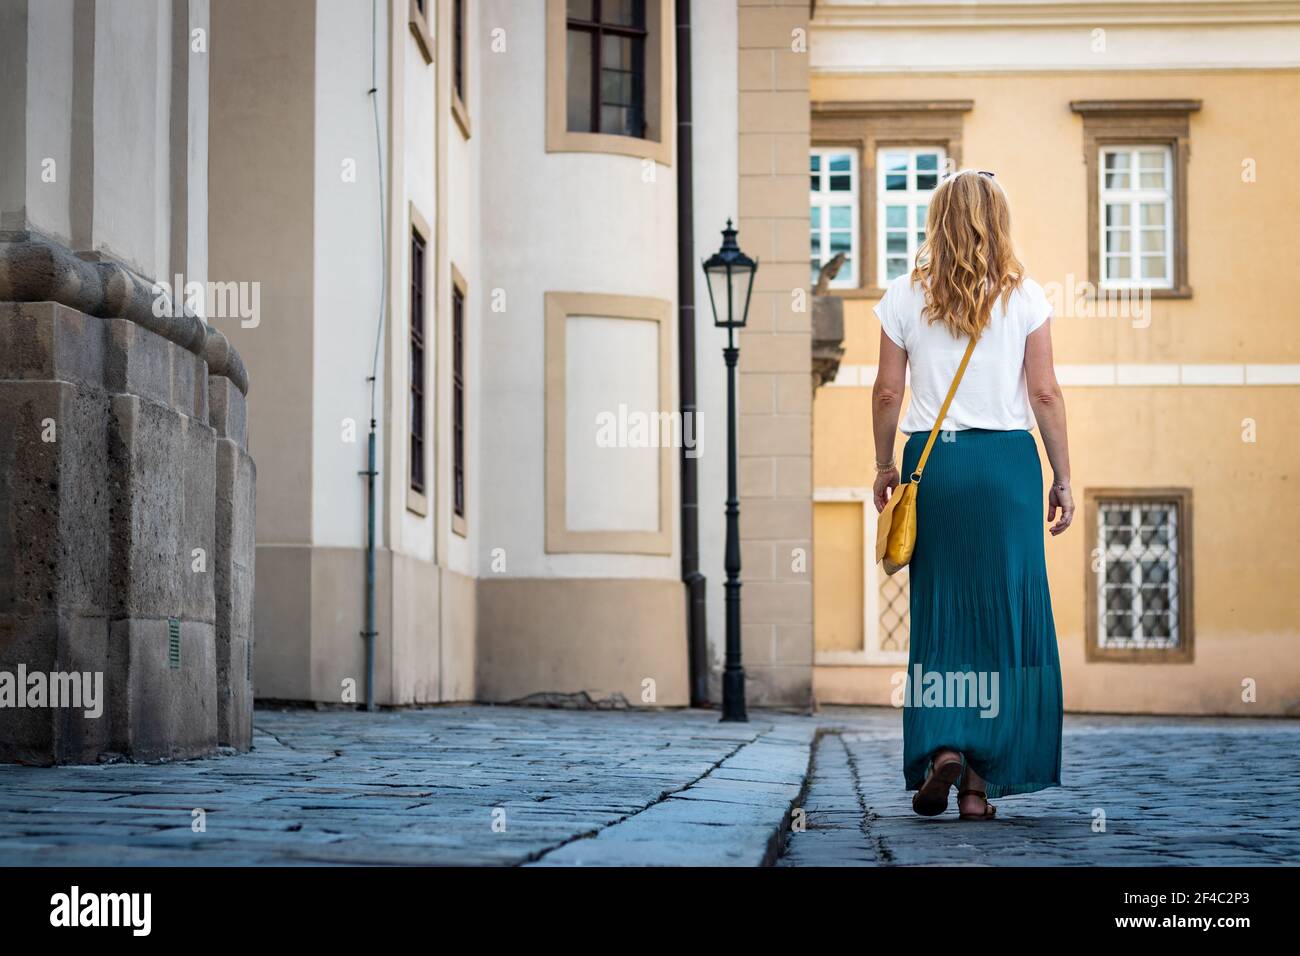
{"x": 731, "y": 280}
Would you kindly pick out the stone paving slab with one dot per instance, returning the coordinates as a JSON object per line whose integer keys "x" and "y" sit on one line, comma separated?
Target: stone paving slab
{"x": 1137, "y": 791}
{"x": 646, "y": 788}
{"x": 443, "y": 786}
{"x": 730, "y": 817}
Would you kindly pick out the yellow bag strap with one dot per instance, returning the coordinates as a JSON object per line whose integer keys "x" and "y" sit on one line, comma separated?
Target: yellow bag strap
{"x": 943, "y": 412}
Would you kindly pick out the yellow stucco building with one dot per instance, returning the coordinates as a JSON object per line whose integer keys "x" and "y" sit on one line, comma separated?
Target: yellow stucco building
{"x": 1148, "y": 151}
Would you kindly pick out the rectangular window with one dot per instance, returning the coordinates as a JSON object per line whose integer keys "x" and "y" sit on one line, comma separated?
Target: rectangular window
{"x": 459, "y": 68}
{"x": 458, "y": 399}
{"x": 415, "y": 413}
{"x": 1137, "y": 154}
{"x": 1140, "y": 573}
{"x": 422, "y": 27}
{"x": 606, "y": 75}
{"x": 906, "y": 178}
{"x": 1137, "y": 216}
{"x": 833, "y": 202}
{"x": 458, "y": 47}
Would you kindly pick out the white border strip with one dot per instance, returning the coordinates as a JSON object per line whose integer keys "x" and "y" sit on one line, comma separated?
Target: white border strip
{"x": 1273, "y": 374}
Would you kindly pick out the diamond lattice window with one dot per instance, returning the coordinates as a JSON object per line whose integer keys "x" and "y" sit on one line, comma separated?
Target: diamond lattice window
{"x": 1139, "y": 579}
{"x": 895, "y": 614}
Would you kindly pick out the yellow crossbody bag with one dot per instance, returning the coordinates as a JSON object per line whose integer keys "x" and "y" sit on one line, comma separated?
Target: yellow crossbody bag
{"x": 896, "y": 527}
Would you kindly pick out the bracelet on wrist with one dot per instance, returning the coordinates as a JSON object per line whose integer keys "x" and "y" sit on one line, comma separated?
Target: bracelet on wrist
{"x": 885, "y": 466}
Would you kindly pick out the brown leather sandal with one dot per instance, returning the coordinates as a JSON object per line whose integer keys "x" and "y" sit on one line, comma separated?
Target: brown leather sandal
{"x": 989, "y": 813}
{"x": 932, "y": 798}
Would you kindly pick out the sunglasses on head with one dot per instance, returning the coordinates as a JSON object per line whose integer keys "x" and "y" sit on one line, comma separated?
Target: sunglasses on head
{"x": 982, "y": 172}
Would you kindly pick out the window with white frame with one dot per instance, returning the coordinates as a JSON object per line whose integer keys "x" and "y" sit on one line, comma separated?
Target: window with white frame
{"x": 1137, "y": 216}
{"x": 833, "y": 202}
{"x": 1138, "y": 592}
{"x": 906, "y": 179}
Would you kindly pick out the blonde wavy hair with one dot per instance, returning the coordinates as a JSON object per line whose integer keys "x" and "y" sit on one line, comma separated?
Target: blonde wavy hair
{"x": 967, "y": 262}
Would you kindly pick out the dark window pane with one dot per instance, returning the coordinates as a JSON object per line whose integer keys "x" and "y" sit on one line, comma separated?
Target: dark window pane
{"x": 1155, "y": 597}
{"x": 415, "y": 391}
{"x": 581, "y": 51}
{"x": 616, "y": 120}
{"x": 624, "y": 13}
{"x": 615, "y": 52}
{"x": 458, "y": 401}
{"x": 417, "y": 464}
{"x": 582, "y": 10}
{"x": 1119, "y": 623}
{"x": 616, "y": 88}
{"x": 458, "y": 47}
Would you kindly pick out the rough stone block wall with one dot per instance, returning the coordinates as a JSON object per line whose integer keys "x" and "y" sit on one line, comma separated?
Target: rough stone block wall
{"x": 775, "y": 389}
{"x": 126, "y": 508}
{"x": 236, "y": 478}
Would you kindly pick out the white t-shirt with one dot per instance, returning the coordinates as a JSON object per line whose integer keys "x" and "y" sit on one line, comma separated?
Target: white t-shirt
{"x": 992, "y": 393}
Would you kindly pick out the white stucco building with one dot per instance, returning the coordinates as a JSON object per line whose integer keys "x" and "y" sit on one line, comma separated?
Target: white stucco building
{"x": 525, "y": 223}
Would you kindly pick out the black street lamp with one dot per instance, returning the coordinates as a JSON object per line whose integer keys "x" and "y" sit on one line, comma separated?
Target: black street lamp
{"x": 731, "y": 280}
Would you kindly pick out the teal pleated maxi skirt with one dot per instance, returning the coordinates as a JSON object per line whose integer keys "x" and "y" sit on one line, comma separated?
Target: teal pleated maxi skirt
{"x": 983, "y": 675}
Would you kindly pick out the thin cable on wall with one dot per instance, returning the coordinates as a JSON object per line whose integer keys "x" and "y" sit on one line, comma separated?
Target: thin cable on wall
{"x": 383, "y": 238}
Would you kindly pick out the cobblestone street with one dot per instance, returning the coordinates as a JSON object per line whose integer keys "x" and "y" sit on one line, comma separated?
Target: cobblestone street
{"x": 522, "y": 786}
{"x": 1169, "y": 792}
{"x": 455, "y": 785}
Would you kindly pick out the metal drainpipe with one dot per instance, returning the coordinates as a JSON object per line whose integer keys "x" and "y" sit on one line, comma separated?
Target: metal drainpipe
{"x": 696, "y": 617}
{"x": 369, "y": 634}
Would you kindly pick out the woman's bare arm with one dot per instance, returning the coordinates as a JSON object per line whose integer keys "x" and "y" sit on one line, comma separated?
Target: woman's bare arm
{"x": 886, "y": 402}
{"x": 1049, "y": 411}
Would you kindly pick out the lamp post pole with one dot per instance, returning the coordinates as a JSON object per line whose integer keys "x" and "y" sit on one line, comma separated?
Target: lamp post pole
{"x": 733, "y": 675}
{"x": 730, "y": 275}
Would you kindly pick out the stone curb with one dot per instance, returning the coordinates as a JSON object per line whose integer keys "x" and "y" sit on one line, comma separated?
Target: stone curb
{"x": 734, "y": 815}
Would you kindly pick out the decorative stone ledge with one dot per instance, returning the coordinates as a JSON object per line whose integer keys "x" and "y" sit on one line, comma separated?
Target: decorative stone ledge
{"x": 827, "y": 338}
{"x": 827, "y": 325}
{"x": 34, "y": 268}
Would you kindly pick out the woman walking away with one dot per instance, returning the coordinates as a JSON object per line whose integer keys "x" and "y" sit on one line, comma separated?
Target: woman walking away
{"x": 983, "y": 701}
